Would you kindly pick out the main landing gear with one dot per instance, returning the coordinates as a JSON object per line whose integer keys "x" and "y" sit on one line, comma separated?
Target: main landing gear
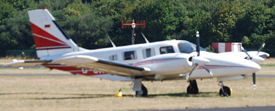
{"x": 193, "y": 87}
{"x": 143, "y": 92}
{"x": 139, "y": 88}
{"x": 224, "y": 91}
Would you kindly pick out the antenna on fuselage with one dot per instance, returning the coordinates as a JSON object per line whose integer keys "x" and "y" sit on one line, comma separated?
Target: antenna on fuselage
{"x": 111, "y": 42}
{"x": 145, "y": 38}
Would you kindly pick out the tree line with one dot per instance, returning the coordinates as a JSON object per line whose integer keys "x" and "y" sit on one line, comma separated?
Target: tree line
{"x": 90, "y": 22}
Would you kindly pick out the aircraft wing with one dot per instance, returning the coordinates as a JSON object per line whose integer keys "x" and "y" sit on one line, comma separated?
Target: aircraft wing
{"x": 105, "y": 66}
{"x": 22, "y": 63}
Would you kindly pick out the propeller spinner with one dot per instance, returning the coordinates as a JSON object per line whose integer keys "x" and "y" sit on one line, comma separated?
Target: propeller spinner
{"x": 197, "y": 60}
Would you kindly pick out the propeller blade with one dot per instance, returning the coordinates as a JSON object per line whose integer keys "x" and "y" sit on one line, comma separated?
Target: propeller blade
{"x": 208, "y": 70}
{"x": 111, "y": 42}
{"x": 254, "y": 80}
{"x": 198, "y": 42}
{"x": 188, "y": 75}
{"x": 144, "y": 38}
{"x": 246, "y": 53}
{"x": 261, "y": 48}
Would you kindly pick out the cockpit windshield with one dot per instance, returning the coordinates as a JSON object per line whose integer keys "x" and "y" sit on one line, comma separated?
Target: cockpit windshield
{"x": 188, "y": 47}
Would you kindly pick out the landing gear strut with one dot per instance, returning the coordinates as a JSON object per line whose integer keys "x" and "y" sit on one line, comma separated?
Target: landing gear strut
{"x": 143, "y": 92}
{"x": 139, "y": 88}
{"x": 224, "y": 91}
{"x": 193, "y": 87}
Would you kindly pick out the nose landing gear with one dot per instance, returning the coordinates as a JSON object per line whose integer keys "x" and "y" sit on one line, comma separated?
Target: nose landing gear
{"x": 224, "y": 91}
{"x": 193, "y": 87}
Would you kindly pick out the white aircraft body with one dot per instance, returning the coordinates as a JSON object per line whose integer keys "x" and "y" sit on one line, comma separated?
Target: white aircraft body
{"x": 156, "y": 61}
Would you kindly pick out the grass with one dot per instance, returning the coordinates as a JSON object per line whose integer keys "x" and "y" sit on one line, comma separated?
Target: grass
{"x": 87, "y": 93}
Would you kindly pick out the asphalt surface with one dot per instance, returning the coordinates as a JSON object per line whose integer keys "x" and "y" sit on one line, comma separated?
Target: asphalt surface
{"x": 264, "y": 108}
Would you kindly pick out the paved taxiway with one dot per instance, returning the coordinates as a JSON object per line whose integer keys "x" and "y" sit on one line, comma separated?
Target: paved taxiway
{"x": 264, "y": 108}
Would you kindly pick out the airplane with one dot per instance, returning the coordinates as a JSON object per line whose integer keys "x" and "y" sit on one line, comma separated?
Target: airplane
{"x": 156, "y": 61}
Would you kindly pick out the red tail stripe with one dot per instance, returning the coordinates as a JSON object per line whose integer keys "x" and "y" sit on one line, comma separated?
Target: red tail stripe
{"x": 45, "y": 39}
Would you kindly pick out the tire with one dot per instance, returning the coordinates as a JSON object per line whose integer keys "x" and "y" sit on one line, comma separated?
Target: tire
{"x": 192, "y": 90}
{"x": 193, "y": 87}
{"x": 143, "y": 92}
{"x": 227, "y": 91}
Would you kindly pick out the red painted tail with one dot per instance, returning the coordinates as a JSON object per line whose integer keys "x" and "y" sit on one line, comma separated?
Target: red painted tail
{"x": 48, "y": 36}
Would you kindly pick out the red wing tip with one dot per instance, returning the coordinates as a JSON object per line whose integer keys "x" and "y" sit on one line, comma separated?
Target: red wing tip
{"x": 45, "y": 7}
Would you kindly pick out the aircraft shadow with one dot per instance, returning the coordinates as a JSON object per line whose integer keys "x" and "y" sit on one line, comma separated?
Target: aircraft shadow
{"x": 91, "y": 96}
{"x": 201, "y": 94}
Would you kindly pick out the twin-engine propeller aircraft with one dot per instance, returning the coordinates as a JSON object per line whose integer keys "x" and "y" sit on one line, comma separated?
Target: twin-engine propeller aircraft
{"x": 156, "y": 61}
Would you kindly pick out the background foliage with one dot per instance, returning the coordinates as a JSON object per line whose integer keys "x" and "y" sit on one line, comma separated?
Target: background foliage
{"x": 90, "y": 22}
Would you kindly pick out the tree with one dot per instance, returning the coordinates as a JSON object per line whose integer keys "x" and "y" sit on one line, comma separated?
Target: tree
{"x": 6, "y": 11}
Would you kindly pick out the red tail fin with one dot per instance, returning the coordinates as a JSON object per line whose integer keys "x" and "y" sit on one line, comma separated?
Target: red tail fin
{"x": 49, "y": 38}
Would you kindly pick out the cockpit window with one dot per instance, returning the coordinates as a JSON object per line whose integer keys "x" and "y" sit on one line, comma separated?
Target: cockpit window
{"x": 188, "y": 47}
{"x": 201, "y": 49}
{"x": 166, "y": 49}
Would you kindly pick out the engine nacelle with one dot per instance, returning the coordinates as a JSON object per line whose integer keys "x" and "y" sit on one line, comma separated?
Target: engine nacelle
{"x": 169, "y": 64}
{"x": 255, "y": 59}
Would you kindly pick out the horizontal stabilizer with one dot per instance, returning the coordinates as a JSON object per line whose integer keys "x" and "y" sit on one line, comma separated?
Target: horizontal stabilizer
{"x": 20, "y": 63}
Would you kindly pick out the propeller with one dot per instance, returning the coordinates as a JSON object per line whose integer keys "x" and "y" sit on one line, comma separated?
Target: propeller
{"x": 249, "y": 57}
{"x": 253, "y": 74}
{"x": 145, "y": 38}
{"x": 198, "y": 42}
{"x": 197, "y": 60}
{"x": 261, "y": 48}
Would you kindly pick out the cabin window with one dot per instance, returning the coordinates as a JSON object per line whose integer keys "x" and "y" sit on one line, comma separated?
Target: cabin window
{"x": 148, "y": 52}
{"x": 166, "y": 49}
{"x": 130, "y": 55}
{"x": 113, "y": 57}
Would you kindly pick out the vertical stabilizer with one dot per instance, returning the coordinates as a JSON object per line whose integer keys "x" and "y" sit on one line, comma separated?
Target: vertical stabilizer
{"x": 48, "y": 36}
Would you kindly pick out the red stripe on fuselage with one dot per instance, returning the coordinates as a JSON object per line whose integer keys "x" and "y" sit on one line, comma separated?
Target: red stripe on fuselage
{"x": 74, "y": 70}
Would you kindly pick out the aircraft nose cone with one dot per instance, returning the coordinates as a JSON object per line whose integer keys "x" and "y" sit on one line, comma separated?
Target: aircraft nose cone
{"x": 222, "y": 66}
{"x": 250, "y": 66}
{"x": 255, "y": 66}
{"x": 200, "y": 60}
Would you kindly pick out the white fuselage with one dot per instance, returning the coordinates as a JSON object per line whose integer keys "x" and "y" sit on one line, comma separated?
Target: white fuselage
{"x": 167, "y": 63}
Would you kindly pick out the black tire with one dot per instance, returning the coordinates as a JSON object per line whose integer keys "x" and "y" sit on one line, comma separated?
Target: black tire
{"x": 192, "y": 90}
{"x": 193, "y": 87}
{"x": 143, "y": 92}
{"x": 227, "y": 91}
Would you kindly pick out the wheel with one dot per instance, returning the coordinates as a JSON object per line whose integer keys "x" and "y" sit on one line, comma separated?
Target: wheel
{"x": 227, "y": 91}
{"x": 193, "y": 87}
{"x": 143, "y": 92}
{"x": 192, "y": 90}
